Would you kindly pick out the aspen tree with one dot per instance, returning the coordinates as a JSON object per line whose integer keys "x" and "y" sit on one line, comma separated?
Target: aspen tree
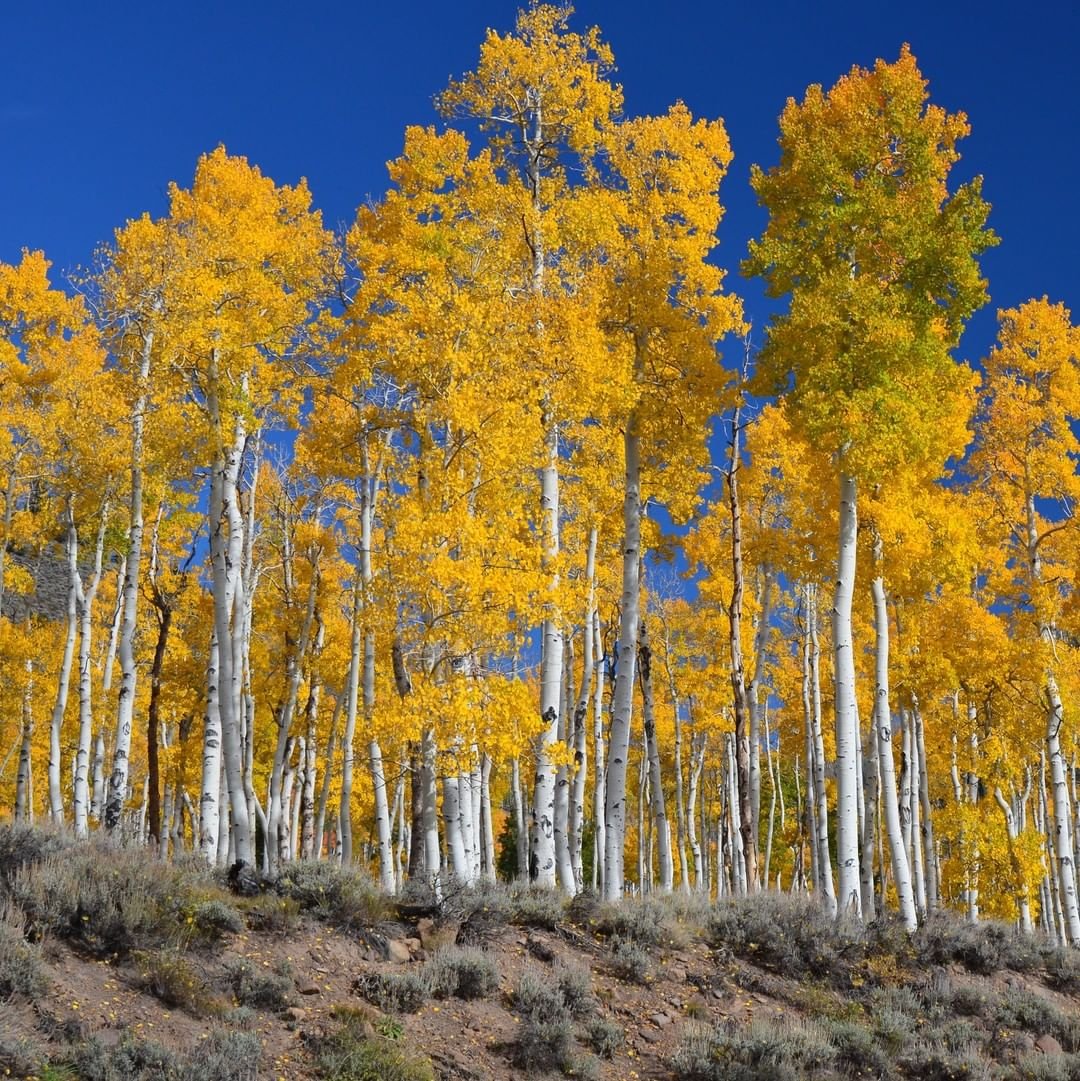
{"x": 878, "y": 258}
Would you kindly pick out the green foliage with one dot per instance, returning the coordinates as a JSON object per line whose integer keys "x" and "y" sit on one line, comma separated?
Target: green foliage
{"x": 214, "y": 918}
{"x": 604, "y": 1036}
{"x": 394, "y": 992}
{"x": 788, "y": 934}
{"x": 343, "y": 896}
{"x": 169, "y": 976}
{"x": 109, "y": 900}
{"x": 732, "y": 1052}
{"x": 630, "y": 962}
{"x": 22, "y": 971}
{"x": 224, "y": 1056}
{"x": 461, "y": 973}
{"x": 260, "y": 987}
{"x": 985, "y": 947}
{"x": 355, "y": 1052}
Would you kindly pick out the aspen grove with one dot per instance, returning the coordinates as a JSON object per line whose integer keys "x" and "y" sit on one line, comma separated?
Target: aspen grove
{"x": 452, "y": 547}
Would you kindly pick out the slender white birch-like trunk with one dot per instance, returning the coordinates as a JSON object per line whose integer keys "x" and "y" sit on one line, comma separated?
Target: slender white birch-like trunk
{"x": 328, "y": 773}
{"x": 828, "y": 891}
{"x": 933, "y": 887}
{"x": 432, "y": 854}
{"x": 86, "y": 594}
{"x": 847, "y": 738}
{"x": 581, "y": 711}
{"x": 125, "y": 712}
{"x": 697, "y": 765}
{"x": 542, "y": 863}
{"x": 452, "y": 823}
{"x": 758, "y": 693}
{"x": 24, "y": 778}
{"x": 485, "y": 811}
{"x": 63, "y": 683}
{"x": 210, "y": 787}
{"x": 352, "y": 694}
{"x": 564, "y": 868}
{"x": 883, "y": 727}
{"x": 625, "y": 672}
{"x": 226, "y": 552}
{"x": 520, "y": 826}
{"x": 659, "y": 807}
{"x": 599, "y": 761}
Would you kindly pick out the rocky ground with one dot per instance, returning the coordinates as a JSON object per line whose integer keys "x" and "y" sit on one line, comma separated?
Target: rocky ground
{"x": 113, "y": 968}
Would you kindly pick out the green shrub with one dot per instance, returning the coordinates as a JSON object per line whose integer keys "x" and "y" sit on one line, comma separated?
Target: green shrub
{"x": 763, "y": 1049}
{"x": 1027, "y": 1011}
{"x": 604, "y": 1036}
{"x": 259, "y": 988}
{"x": 985, "y": 948}
{"x": 343, "y": 896}
{"x": 394, "y": 992}
{"x": 169, "y": 976}
{"x": 224, "y": 1056}
{"x": 645, "y": 922}
{"x": 213, "y": 918}
{"x": 354, "y": 1052}
{"x": 630, "y": 962}
{"x": 23, "y": 845}
{"x": 1063, "y": 970}
{"x": 789, "y": 934}
{"x": 463, "y": 973}
{"x": 548, "y": 1006}
{"x": 925, "y": 1062}
{"x": 21, "y": 969}
{"x": 532, "y": 906}
{"x": 19, "y": 1056}
{"x": 270, "y": 914}
{"x": 109, "y": 900}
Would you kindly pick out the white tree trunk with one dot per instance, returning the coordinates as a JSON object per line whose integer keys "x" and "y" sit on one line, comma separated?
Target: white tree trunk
{"x": 883, "y": 727}
{"x": 1062, "y": 837}
{"x": 452, "y": 821}
{"x": 351, "y": 703}
{"x": 210, "y": 787}
{"x": 118, "y": 779}
{"x": 623, "y": 697}
{"x": 758, "y": 694}
{"x": 86, "y": 595}
{"x": 226, "y": 553}
{"x": 847, "y": 738}
{"x": 521, "y": 828}
{"x": 63, "y": 684}
{"x": 599, "y": 761}
{"x": 542, "y": 866}
{"x": 659, "y": 806}
{"x": 828, "y": 891}
{"x": 485, "y": 809}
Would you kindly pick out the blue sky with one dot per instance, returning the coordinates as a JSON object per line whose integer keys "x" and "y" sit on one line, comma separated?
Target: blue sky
{"x": 102, "y": 104}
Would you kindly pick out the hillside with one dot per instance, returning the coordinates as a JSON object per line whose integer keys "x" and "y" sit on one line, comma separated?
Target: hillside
{"x": 117, "y": 968}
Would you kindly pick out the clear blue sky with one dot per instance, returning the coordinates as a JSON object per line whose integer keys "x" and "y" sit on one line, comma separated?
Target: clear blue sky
{"x": 102, "y": 104}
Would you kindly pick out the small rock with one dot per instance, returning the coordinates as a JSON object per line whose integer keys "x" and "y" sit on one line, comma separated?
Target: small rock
{"x": 308, "y": 987}
{"x": 1024, "y": 1041}
{"x": 661, "y": 1020}
{"x": 1048, "y": 1045}
{"x": 397, "y": 952}
{"x": 717, "y": 993}
{"x": 294, "y": 1013}
{"x": 649, "y": 1036}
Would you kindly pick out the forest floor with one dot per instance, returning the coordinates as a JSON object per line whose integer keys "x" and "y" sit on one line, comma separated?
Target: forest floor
{"x": 117, "y": 968}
